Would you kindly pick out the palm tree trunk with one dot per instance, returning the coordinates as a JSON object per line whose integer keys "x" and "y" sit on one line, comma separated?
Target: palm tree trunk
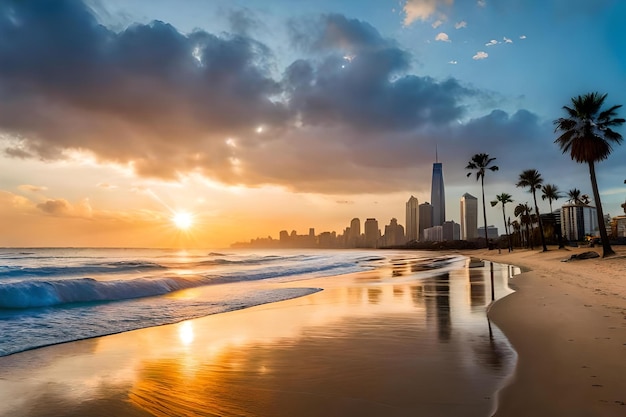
{"x": 482, "y": 185}
{"x": 606, "y": 246}
{"x": 531, "y": 233}
{"x": 506, "y": 228}
{"x": 543, "y": 238}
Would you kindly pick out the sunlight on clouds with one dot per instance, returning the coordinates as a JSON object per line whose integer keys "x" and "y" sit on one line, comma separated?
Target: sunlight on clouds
{"x": 442, "y": 37}
{"x": 507, "y": 40}
{"x": 31, "y": 188}
{"x": 492, "y": 42}
{"x": 421, "y": 9}
{"x": 480, "y": 55}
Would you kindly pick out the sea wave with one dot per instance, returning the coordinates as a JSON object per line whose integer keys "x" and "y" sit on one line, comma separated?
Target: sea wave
{"x": 33, "y": 294}
{"x": 96, "y": 268}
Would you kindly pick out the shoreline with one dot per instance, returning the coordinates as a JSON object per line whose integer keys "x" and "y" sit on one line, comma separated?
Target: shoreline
{"x": 567, "y": 323}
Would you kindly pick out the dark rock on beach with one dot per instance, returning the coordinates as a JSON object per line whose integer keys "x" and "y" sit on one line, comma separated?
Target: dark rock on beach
{"x": 583, "y": 255}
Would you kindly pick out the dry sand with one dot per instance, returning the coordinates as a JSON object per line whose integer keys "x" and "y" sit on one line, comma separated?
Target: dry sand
{"x": 567, "y": 321}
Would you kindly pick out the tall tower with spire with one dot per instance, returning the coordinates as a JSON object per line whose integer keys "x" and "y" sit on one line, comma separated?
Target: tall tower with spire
{"x": 437, "y": 193}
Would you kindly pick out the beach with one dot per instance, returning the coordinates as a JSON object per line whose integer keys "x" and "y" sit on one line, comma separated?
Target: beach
{"x": 369, "y": 344}
{"x": 567, "y": 321}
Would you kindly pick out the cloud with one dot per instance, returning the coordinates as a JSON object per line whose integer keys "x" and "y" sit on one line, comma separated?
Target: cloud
{"x": 443, "y": 37}
{"x": 32, "y": 188}
{"x": 460, "y": 25}
{"x": 507, "y": 40}
{"x": 453, "y": 62}
{"x": 481, "y": 3}
{"x": 62, "y": 208}
{"x": 522, "y": 37}
{"x": 492, "y": 42}
{"x": 437, "y": 23}
{"x": 243, "y": 21}
{"x": 422, "y": 9}
{"x": 106, "y": 186}
{"x": 480, "y": 55}
{"x": 166, "y": 104}
{"x": 57, "y": 207}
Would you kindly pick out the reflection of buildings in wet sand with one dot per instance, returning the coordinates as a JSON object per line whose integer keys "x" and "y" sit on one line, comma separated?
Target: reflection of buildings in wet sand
{"x": 478, "y": 288}
{"x": 373, "y": 295}
{"x": 437, "y": 301}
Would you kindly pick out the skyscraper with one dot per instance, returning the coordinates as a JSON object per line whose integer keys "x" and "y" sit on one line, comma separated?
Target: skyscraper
{"x": 412, "y": 219}
{"x": 425, "y": 219}
{"x": 438, "y": 195}
{"x": 469, "y": 217}
{"x": 371, "y": 233}
{"x": 355, "y": 233}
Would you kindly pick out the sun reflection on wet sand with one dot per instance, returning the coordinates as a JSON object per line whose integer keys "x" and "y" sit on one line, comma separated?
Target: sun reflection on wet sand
{"x": 377, "y": 343}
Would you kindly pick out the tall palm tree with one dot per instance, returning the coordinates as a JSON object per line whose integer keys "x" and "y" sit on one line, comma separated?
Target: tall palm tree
{"x": 551, "y": 193}
{"x": 481, "y": 163}
{"x": 522, "y": 210}
{"x": 503, "y": 199}
{"x": 531, "y": 178}
{"x": 587, "y": 134}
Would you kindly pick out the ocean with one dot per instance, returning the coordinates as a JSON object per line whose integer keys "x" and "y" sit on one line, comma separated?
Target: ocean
{"x": 56, "y": 295}
{"x": 410, "y": 314}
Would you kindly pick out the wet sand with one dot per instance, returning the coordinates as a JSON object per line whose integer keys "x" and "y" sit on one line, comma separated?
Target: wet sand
{"x": 371, "y": 344}
{"x": 567, "y": 321}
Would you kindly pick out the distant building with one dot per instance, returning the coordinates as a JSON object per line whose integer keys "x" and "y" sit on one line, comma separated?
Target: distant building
{"x": 618, "y": 226}
{"x": 469, "y": 217}
{"x": 433, "y": 234}
{"x": 394, "y": 234}
{"x": 492, "y": 232}
{"x": 412, "y": 219}
{"x": 577, "y": 221}
{"x": 425, "y": 219}
{"x": 354, "y": 236}
{"x": 451, "y": 230}
{"x": 371, "y": 233}
{"x": 438, "y": 195}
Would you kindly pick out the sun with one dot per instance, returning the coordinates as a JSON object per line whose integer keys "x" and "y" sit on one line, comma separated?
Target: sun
{"x": 182, "y": 220}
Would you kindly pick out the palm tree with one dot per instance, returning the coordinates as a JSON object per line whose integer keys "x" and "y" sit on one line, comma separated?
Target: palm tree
{"x": 574, "y": 196}
{"x": 551, "y": 193}
{"x": 522, "y": 210}
{"x": 480, "y": 162}
{"x": 531, "y": 178}
{"x": 517, "y": 229}
{"x": 587, "y": 134}
{"x": 503, "y": 199}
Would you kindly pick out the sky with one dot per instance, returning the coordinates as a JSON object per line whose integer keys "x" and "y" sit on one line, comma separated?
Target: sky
{"x": 259, "y": 116}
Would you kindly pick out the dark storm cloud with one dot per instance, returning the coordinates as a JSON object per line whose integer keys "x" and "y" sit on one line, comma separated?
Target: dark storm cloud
{"x": 349, "y": 117}
{"x": 149, "y": 94}
{"x": 360, "y": 78}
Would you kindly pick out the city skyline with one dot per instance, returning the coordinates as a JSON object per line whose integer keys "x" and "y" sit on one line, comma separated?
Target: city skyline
{"x": 142, "y": 123}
